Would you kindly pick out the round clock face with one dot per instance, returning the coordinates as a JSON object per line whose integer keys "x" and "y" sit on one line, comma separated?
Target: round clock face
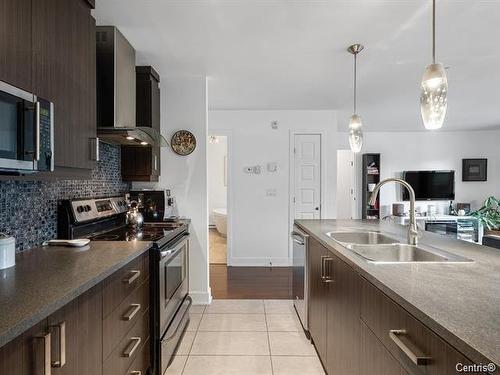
{"x": 183, "y": 142}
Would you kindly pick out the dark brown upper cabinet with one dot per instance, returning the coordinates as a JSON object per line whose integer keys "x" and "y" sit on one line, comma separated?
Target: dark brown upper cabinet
{"x": 15, "y": 43}
{"x": 64, "y": 73}
{"x": 142, "y": 163}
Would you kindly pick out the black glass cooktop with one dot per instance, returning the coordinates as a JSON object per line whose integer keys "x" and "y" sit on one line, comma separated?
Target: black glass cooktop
{"x": 148, "y": 232}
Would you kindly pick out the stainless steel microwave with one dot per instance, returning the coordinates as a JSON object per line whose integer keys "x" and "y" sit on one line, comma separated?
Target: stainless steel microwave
{"x": 26, "y": 132}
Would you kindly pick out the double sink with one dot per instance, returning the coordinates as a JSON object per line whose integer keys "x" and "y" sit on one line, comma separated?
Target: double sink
{"x": 376, "y": 247}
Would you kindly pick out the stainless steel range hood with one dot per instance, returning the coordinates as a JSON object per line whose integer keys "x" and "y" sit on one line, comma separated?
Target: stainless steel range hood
{"x": 116, "y": 92}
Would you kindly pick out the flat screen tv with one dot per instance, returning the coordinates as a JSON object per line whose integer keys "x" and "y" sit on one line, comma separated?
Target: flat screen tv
{"x": 430, "y": 185}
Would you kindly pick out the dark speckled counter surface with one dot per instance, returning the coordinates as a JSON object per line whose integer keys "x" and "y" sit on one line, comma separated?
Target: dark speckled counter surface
{"x": 46, "y": 278}
{"x": 458, "y": 301}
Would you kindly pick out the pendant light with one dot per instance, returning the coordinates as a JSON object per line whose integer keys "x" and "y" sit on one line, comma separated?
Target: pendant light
{"x": 355, "y": 123}
{"x": 434, "y": 87}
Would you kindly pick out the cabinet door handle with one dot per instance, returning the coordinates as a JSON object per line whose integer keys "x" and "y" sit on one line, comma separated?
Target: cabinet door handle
{"x": 134, "y": 309}
{"x": 37, "y": 130}
{"x": 156, "y": 162}
{"x": 411, "y": 351}
{"x": 325, "y": 275}
{"x": 132, "y": 347}
{"x": 95, "y": 149}
{"x": 45, "y": 340}
{"x": 134, "y": 275}
{"x": 61, "y": 327}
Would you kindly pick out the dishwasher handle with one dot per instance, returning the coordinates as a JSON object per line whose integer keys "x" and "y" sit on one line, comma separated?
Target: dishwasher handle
{"x": 299, "y": 238}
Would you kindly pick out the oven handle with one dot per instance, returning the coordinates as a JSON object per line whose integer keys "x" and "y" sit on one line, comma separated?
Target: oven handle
{"x": 174, "y": 247}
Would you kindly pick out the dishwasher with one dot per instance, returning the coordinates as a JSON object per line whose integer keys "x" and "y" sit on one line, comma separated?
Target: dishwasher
{"x": 300, "y": 277}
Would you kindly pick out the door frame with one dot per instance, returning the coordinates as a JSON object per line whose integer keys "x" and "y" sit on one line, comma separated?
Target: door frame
{"x": 291, "y": 182}
{"x": 230, "y": 199}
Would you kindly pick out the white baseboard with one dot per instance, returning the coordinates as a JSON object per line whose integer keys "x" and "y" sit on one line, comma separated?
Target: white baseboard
{"x": 259, "y": 262}
{"x": 201, "y": 298}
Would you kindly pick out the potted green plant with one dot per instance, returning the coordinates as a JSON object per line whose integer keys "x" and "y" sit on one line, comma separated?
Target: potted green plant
{"x": 489, "y": 215}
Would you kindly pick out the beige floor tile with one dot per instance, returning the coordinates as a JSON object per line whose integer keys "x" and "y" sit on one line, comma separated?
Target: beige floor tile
{"x": 217, "y": 248}
{"x": 297, "y": 366}
{"x": 283, "y": 323}
{"x": 187, "y": 343}
{"x": 228, "y": 365}
{"x": 230, "y": 343}
{"x": 235, "y": 306}
{"x": 197, "y": 309}
{"x": 290, "y": 343}
{"x": 194, "y": 321}
{"x": 177, "y": 365}
{"x": 279, "y": 306}
{"x": 233, "y": 322}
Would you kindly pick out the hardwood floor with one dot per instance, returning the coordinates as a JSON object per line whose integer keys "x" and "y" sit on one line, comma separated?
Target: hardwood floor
{"x": 250, "y": 282}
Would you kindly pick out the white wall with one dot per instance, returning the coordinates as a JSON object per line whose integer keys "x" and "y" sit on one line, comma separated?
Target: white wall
{"x": 184, "y": 106}
{"x": 260, "y": 223}
{"x": 402, "y": 151}
{"x": 217, "y": 189}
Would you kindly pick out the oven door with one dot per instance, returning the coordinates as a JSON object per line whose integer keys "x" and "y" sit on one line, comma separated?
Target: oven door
{"x": 17, "y": 129}
{"x": 173, "y": 279}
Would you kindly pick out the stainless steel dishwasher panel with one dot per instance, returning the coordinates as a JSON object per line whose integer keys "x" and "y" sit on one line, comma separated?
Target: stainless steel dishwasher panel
{"x": 300, "y": 287}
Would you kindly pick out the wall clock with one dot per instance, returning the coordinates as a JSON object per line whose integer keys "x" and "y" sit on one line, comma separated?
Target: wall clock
{"x": 183, "y": 142}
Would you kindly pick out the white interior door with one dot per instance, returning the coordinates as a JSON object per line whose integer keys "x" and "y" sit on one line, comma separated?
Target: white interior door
{"x": 346, "y": 185}
{"x": 307, "y": 189}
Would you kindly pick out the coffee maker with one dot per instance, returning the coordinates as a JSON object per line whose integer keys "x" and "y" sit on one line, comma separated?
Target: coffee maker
{"x": 156, "y": 205}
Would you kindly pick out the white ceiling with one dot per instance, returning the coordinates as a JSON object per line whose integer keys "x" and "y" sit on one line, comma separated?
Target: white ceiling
{"x": 291, "y": 54}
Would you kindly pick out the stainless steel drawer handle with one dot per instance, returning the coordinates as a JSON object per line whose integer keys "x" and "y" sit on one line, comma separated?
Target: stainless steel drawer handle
{"x": 47, "y": 354}
{"x": 132, "y": 347}
{"x": 134, "y": 275}
{"x": 134, "y": 309}
{"x": 411, "y": 351}
{"x": 61, "y": 327}
{"x": 325, "y": 274}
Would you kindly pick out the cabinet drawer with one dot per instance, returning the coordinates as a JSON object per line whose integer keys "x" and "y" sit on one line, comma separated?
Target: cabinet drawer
{"x": 128, "y": 348}
{"x": 118, "y": 323}
{"x": 141, "y": 362}
{"x": 123, "y": 282}
{"x": 412, "y": 338}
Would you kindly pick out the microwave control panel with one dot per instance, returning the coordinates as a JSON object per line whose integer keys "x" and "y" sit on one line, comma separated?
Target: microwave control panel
{"x": 46, "y": 118}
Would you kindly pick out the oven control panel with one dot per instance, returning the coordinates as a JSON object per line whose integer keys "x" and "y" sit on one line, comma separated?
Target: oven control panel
{"x": 92, "y": 209}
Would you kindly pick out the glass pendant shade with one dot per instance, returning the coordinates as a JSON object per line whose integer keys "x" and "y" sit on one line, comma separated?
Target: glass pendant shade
{"x": 355, "y": 133}
{"x": 434, "y": 96}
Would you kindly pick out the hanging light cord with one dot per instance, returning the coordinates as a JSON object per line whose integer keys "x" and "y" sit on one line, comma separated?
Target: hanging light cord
{"x": 433, "y": 31}
{"x": 355, "y": 82}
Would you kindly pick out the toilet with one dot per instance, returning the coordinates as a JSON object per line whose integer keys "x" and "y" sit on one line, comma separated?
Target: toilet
{"x": 220, "y": 220}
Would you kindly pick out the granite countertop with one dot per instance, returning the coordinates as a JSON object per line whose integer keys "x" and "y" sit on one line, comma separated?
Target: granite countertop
{"x": 46, "y": 278}
{"x": 458, "y": 301}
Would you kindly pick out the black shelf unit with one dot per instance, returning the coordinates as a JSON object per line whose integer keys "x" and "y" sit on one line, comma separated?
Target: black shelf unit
{"x": 371, "y": 175}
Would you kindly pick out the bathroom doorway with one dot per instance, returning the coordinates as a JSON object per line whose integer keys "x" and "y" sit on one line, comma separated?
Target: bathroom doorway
{"x": 218, "y": 198}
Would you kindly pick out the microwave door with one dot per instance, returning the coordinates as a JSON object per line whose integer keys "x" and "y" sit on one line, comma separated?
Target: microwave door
{"x": 12, "y": 133}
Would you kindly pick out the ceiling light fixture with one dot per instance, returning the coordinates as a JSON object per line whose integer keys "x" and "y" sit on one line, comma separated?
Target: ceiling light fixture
{"x": 355, "y": 124}
{"x": 434, "y": 87}
{"x": 130, "y": 138}
{"x": 144, "y": 143}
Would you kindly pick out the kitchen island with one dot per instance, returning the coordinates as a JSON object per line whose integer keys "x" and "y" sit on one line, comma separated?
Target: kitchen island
{"x": 458, "y": 302}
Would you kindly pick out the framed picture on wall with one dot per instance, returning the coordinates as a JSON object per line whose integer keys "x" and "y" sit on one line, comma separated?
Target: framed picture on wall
{"x": 474, "y": 169}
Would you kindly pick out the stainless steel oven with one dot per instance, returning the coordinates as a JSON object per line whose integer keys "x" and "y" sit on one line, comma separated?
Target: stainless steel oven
{"x": 174, "y": 302}
{"x": 26, "y": 132}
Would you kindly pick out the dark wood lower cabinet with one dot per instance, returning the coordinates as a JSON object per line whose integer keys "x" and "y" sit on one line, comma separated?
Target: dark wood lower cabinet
{"x": 318, "y": 297}
{"x": 350, "y": 321}
{"x": 342, "y": 338}
{"x": 70, "y": 341}
{"x": 374, "y": 357}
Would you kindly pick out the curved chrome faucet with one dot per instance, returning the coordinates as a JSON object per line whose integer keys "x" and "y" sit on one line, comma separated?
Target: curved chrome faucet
{"x": 412, "y": 228}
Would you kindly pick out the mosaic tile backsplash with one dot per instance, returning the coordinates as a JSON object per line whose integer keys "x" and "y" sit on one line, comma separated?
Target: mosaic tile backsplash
{"x": 28, "y": 209}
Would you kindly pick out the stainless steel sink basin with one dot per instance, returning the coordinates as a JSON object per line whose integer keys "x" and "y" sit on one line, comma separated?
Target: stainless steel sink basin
{"x": 403, "y": 253}
{"x": 361, "y": 238}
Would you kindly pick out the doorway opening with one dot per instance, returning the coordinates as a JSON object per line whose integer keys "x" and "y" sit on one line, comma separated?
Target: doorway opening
{"x": 217, "y": 198}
